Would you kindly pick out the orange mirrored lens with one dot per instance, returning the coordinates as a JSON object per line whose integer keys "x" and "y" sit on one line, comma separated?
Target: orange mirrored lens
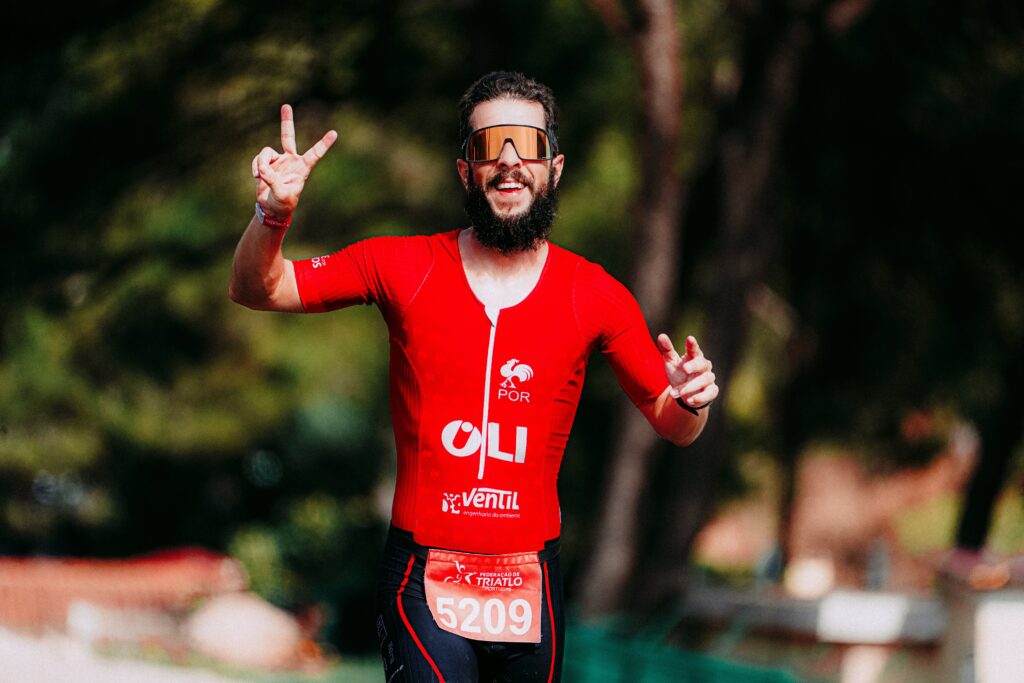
{"x": 486, "y": 144}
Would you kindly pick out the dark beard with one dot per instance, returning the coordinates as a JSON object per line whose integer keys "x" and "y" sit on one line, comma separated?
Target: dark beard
{"x": 511, "y": 235}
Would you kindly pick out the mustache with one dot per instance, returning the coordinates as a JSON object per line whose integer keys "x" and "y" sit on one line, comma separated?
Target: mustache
{"x": 514, "y": 175}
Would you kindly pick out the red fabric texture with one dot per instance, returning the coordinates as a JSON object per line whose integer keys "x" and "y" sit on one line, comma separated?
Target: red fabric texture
{"x": 461, "y": 485}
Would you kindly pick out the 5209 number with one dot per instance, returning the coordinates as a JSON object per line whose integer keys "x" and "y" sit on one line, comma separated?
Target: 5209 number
{"x": 493, "y": 617}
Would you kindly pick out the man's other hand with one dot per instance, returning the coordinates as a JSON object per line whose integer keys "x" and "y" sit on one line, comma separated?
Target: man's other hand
{"x": 689, "y": 376}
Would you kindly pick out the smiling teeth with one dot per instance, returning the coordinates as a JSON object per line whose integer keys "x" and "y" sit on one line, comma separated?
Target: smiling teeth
{"x": 510, "y": 186}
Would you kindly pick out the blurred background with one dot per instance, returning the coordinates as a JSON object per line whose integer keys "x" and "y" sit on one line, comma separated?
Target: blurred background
{"x": 827, "y": 193}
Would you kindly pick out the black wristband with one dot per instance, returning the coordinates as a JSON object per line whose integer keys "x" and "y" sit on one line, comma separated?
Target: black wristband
{"x": 693, "y": 410}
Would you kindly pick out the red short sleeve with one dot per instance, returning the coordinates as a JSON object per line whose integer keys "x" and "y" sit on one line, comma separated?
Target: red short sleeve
{"x": 608, "y": 313}
{"x": 387, "y": 271}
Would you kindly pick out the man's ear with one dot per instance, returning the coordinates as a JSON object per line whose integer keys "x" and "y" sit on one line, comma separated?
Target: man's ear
{"x": 463, "y": 166}
{"x": 556, "y": 168}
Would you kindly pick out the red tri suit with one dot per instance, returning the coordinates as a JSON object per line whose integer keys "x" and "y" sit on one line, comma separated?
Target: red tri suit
{"x": 482, "y": 400}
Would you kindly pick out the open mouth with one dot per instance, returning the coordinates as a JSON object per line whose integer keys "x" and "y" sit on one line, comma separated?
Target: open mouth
{"x": 510, "y": 184}
{"x": 510, "y": 187}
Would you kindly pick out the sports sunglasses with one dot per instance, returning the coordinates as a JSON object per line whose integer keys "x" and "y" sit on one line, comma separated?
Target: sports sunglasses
{"x": 531, "y": 143}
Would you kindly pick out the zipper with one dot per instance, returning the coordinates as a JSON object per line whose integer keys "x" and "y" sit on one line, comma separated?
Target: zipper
{"x": 492, "y": 315}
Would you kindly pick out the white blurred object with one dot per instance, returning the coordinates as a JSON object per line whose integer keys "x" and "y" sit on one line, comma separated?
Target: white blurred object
{"x": 809, "y": 578}
{"x": 244, "y": 629}
{"x": 864, "y": 664}
{"x": 859, "y": 617}
{"x": 999, "y": 638}
{"x": 91, "y": 623}
{"x": 57, "y": 659}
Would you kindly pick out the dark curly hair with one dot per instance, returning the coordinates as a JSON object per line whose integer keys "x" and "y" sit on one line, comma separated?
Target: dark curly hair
{"x": 510, "y": 85}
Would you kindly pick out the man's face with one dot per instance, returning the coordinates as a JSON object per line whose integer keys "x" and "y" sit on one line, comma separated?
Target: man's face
{"x": 503, "y": 194}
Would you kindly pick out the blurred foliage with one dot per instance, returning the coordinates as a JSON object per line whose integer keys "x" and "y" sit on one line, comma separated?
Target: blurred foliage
{"x": 139, "y": 408}
{"x": 902, "y": 198}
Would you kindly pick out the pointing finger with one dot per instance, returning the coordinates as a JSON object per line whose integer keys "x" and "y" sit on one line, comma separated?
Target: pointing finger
{"x": 317, "y": 151}
{"x": 287, "y": 129}
{"x": 668, "y": 351}
{"x": 692, "y": 348}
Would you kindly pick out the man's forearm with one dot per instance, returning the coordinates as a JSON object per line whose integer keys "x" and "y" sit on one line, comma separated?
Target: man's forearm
{"x": 674, "y": 423}
{"x": 260, "y": 275}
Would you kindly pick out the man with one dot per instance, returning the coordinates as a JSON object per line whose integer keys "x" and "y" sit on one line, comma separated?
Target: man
{"x": 490, "y": 331}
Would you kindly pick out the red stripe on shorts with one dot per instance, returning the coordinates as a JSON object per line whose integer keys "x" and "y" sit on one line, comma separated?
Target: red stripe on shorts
{"x": 405, "y": 619}
{"x": 551, "y": 616}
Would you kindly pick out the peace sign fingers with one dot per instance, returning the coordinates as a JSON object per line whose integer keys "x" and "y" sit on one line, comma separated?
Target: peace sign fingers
{"x": 281, "y": 177}
{"x": 288, "y": 130}
{"x": 314, "y": 153}
{"x": 317, "y": 151}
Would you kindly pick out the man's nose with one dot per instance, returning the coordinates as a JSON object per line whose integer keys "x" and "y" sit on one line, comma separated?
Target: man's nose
{"x": 509, "y": 157}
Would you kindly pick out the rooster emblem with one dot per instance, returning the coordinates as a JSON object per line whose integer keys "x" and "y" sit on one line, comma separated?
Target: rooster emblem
{"x": 515, "y": 370}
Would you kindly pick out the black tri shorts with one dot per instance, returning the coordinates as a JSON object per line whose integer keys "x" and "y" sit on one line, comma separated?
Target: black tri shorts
{"x": 415, "y": 650}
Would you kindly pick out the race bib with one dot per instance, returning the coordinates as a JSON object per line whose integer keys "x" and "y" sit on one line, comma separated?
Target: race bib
{"x": 485, "y": 597}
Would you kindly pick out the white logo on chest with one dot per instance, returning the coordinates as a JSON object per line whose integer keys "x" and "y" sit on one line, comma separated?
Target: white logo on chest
{"x": 514, "y": 370}
{"x": 473, "y": 439}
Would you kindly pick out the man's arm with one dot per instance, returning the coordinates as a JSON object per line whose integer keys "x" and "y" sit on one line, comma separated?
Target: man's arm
{"x": 690, "y": 381}
{"x": 261, "y": 278}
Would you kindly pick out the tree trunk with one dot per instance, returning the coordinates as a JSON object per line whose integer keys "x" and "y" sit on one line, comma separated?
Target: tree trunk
{"x": 1000, "y": 434}
{"x": 657, "y": 47}
{"x": 748, "y": 154}
{"x": 747, "y": 151}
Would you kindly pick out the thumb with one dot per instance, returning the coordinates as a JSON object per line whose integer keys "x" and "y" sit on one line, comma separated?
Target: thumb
{"x": 668, "y": 351}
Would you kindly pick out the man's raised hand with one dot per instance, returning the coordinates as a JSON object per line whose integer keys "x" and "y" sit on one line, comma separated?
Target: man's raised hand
{"x": 689, "y": 376}
{"x": 280, "y": 176}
